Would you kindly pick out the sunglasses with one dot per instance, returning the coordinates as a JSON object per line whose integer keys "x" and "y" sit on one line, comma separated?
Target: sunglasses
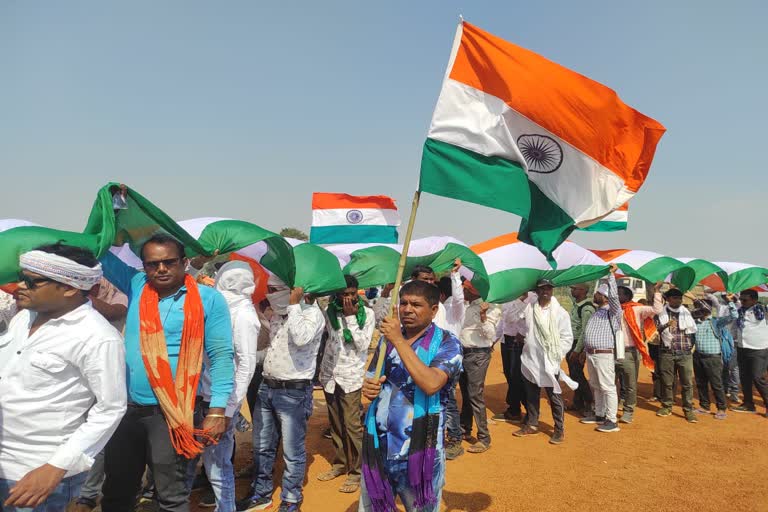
{"x": 154, "y": 265}
{"x": 33, "y": 283}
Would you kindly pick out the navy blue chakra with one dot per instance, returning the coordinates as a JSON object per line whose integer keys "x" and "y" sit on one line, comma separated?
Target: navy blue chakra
{"x": 543, "y": 154}
{"x": 354, "y": 216}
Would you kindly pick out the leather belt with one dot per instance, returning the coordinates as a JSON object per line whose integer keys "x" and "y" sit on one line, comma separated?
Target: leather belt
{"x": 599, "y": 351}
{"x": 287, "y": 384}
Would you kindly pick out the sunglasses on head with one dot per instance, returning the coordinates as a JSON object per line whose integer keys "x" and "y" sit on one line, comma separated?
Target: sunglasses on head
{"x": 154, "y": 265}
{"x": 33, "y": 283}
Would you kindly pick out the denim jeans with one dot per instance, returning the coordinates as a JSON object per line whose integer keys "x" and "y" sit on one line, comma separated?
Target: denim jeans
{"x": 67, "y": 490}
{"x": 397, "y": 470}
{"x": 217, "y": 461}
{"x": 283, "y": 411}
{"x": 731, "y": 379}
{"x": 452, "y": 423}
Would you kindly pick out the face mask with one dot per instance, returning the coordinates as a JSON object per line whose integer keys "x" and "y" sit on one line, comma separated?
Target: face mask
{"x": 279, "y": 301}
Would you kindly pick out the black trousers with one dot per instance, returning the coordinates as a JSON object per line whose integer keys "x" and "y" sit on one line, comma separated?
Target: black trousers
{"x": 532, "y": 402}
{"x": 582, "y": 397}
{"x": 510, "y": 362}
{"x": 142, "y": 439}
{"x": 472, "y": 384}
{"x": 708, "y": 370}
{"x": 752, "y": 367}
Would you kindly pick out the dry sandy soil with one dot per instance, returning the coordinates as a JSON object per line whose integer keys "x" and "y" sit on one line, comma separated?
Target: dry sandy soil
{"x": 655, "y": 464}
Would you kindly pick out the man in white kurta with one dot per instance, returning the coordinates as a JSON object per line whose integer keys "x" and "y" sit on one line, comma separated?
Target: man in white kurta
{"x": 549, "y": 340}
{"x": 62, "y": 381}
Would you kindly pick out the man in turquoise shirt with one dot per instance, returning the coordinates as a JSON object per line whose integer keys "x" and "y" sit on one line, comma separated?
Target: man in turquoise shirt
{"x": 143, "y": 437}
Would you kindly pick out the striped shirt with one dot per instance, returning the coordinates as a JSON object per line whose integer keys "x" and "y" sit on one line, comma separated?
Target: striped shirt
{"x": 599, "y": 331}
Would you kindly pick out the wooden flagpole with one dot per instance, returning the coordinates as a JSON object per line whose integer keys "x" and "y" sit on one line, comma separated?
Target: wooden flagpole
{"x": 399, "y": 279}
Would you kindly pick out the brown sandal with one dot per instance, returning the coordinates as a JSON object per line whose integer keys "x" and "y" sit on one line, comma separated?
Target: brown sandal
{"x": 330, "y": 475}
{"x": 350, "y": 486}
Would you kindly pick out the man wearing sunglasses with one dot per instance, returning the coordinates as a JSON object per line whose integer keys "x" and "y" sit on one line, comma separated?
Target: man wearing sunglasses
{"x": 62, "y": 381}
{"x": 164, "y": 306}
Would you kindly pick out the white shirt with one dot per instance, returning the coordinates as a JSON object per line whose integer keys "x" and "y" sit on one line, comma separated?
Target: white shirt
{"x": 344, "y": 363}
{"x": 294, "y": 342}
{"x": 450, "y": 317}
{"x": 7, "y": 310}
{"x": 535, "y": 365}
{"x": 754, "y": 335}
{"x": 476, "y": 333}
{"x": 62, "y": 391}
{"x": 512, "y": 317}
{"x": 245, "y": 333}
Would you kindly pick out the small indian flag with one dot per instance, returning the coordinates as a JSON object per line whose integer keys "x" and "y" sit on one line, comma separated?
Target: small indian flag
{"x": 614, "y": 221}
{"x": 346, "y": 219}
{"x": 515, "y": 131}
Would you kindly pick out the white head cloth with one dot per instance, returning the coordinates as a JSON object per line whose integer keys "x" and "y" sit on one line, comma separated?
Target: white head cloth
{"x": 603, "y": 290}
{"x": 276, "y": 281}
{"x": 235, "y": 281}
{"x": 61, "y": 269}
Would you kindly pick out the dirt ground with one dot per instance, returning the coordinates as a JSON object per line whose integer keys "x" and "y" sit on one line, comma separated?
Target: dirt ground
{"x": 655, "y": 464}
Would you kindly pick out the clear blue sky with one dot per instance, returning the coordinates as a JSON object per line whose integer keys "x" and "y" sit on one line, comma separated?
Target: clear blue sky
{"x": 243, "y": 109}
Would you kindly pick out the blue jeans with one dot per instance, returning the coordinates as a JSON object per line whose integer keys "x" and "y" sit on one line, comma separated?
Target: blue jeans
{"x": 452, "y": 421}
{"x": 397, "y": 470}
{"x": 217, "y": 461}
{"x": 281, "y": 413}
{"x": 67, "y": 490}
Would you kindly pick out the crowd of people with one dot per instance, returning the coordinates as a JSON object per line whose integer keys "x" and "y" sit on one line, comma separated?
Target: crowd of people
{"x": 116, "y": 384}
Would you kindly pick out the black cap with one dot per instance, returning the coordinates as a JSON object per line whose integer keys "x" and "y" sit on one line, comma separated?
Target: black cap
{"x": 544, "y": 282}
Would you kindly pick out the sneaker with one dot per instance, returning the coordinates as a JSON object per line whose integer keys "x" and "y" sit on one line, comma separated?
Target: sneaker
{"x": 700, "y": 411}
{"x": 590, "y": 420}
{"x": 627, "y": 417}
{"x": 327, "y": 433}
{"x": 734, "y": 398}
{"x": 254, "y": 503}
{"x": 527, "y": 430}
{"x": 720, "y": 415}
{"x": 664, "y": 411}
{"x": 608, "y": 426}
{"x": 744, "y": 408}
{"x": 690, "y": 416}
{"x": 557, "y": 438}
{"x": 288, "y": 507}
{"x": 508, "y": 416}
{"x": 207, "y": 500}
{"x": 479, "y": 447}
{"x": 453, "y": 450}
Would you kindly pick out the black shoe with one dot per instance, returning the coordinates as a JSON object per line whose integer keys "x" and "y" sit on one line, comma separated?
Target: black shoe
{"x": 254, "y": 503}
{"x": 327, "y": 433}
{"x": 207, "y": 500}
{"x": 200, "y": 481}
{"x": 289, "y": 507}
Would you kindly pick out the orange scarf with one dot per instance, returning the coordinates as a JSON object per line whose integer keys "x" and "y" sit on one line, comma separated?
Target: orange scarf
{"x": 176, "y": 397}
{"x": 648, "y": 326}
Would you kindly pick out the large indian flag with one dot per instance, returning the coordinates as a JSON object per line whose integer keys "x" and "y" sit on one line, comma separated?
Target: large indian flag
{"x": 738, "y": 277}
{"x": 342, "y": 219}
{"x": 515, "y": 131}
{"x": 376, "y": 264}
{"x": 514, "y": 267}
{"x": 650, "y": 266}
{"x": 614, "y": 221}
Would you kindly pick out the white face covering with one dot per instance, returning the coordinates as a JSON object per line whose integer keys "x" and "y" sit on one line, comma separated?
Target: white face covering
{"x": 279, "y": 301}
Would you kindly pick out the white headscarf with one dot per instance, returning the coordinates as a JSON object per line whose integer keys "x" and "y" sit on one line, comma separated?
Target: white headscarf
{"x": 61, "y": 269}
{"x": 236, "y": 282}
{"x": 280, "y": 299}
